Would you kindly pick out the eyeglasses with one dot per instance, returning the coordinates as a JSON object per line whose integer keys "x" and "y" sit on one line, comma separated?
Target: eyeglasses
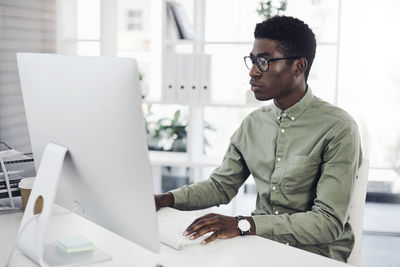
{"x": 261, "y": 62}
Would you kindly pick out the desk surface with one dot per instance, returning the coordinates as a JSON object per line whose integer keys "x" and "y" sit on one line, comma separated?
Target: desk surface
{"x": 237, "y": 251}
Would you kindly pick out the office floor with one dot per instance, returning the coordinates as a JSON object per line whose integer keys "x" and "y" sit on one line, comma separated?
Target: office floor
{"x": 379, "y": 249}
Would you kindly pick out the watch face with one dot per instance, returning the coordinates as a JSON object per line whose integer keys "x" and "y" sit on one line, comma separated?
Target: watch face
{"x": 244, "y": 225}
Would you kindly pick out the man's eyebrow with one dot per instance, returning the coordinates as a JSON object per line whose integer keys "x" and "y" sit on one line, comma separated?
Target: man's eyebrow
{"x": 261, "y": 54}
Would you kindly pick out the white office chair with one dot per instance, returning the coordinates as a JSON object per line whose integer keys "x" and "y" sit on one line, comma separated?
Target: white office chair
{"x": 356, "y": 211}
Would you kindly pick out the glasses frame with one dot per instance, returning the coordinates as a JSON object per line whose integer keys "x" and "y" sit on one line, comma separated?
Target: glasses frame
{"x": 255, "y": 60}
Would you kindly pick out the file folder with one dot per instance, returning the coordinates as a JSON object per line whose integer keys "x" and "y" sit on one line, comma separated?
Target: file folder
{"x": 205, "y": 85}
{"x": 169, "y": 87}
{"x": 182, "y": 74}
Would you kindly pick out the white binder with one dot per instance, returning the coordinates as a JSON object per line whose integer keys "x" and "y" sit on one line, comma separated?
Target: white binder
{"x": 169, "y": 86}
{"x": 194, "y": 79}
{"x": 205, "y": 79}
{"x": 187, "y": 79}
{"x": 182, "y": 74}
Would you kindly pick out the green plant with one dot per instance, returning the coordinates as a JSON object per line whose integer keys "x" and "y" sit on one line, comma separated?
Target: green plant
{"x": 168, "y": 134}
{"x": 267, "y": 10}
{"x": 209, "y": 127}
{"x": 164, "y": 132}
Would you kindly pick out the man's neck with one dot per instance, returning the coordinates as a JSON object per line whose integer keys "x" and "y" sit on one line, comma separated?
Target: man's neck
{"x": 292, "y": 99}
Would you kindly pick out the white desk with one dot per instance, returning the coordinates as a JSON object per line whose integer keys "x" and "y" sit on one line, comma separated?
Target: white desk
{"x": 237, "y": 251}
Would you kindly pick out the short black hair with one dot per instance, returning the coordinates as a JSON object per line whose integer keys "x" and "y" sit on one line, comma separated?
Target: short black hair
{"x": 295, "y": 38}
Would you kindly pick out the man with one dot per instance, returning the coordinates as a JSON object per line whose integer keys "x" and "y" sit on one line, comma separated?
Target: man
{"x": 303, "y": 153}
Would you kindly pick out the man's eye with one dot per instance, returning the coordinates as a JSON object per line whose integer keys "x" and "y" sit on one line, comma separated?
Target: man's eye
{"x": 262, "y": 61}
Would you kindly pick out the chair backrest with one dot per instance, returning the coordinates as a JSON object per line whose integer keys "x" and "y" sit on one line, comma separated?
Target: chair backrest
{"x": 356, "y": 211}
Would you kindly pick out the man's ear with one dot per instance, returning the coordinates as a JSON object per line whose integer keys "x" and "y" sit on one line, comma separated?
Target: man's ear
{"x": 300, "y": 66}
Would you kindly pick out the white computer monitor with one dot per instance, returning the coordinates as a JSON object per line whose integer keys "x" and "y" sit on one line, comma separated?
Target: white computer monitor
{"x": 92, "y": 105}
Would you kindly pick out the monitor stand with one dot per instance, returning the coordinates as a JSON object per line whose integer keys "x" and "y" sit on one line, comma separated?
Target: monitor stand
{"x": 32, "y": 238}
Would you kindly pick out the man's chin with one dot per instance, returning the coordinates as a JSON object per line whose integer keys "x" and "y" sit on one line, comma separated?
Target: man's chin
{"x": 261, "y": 97}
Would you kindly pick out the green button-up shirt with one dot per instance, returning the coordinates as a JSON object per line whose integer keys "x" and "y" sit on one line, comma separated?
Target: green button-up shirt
{"x": 304, "y": 161}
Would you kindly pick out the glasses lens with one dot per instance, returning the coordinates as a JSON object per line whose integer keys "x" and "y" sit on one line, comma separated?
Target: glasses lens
{"x": 249, "y": 62}
{"x": 262, "y": 64}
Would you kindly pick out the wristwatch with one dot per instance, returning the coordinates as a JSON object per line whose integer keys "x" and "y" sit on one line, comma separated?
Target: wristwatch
{"x": 243, "y": 225}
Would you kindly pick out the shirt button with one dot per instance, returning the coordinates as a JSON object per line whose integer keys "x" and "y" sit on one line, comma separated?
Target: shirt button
{"x": 282, "y": 130}
{"x": 278, "y": 159}
{"x": 292, "y": 118}
{"x": 274, "y": 188}
{"x": 279, "y": 118}
{"x": 276, "y": 212}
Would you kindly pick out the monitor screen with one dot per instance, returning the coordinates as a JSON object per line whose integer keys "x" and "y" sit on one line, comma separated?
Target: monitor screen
{"x": 92, "y": 106}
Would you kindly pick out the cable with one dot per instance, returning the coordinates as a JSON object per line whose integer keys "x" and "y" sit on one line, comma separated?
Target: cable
{"x": 27, "y": 223}
{"x": 66, "y": 212}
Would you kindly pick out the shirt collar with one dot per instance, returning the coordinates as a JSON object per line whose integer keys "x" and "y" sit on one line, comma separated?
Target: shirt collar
{"x": 294, "y": 111}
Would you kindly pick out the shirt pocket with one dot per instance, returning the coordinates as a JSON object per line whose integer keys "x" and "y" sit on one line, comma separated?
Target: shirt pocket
{"x": 301, "y": 174}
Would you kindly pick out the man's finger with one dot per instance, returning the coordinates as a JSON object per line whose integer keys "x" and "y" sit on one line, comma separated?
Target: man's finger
{"x": 199, "y": 224}
{"x": 206, "y": 229}
{"x": 199, "y": 219}
{"x": 210, "y": 238}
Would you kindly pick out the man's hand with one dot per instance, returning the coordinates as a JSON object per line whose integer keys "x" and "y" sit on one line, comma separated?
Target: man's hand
{"x": 222, "y": 227}
{"x": 164, "y": 200}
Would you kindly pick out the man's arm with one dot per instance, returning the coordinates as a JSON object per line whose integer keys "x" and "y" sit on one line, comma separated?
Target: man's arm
{"x": 164, "y": 200}
{"x": 223, "y": 183}
{"x": 220, "y": 188}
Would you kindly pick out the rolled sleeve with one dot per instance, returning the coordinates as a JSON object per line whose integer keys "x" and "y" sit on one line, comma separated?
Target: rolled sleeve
{"x": 222, "y": 185}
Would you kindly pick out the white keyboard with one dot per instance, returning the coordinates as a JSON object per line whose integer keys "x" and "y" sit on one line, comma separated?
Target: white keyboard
{"x": 172, "y": 235}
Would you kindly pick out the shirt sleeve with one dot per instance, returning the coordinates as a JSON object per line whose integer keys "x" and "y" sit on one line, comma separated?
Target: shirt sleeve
{"x": 222, "y": 185}
{"x": 325, "y": 222}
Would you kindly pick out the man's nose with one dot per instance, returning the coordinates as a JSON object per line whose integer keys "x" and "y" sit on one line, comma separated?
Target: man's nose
{"x": 254, "y": 71}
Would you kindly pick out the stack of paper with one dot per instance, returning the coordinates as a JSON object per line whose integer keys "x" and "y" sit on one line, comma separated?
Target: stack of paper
{"x": 73, "y": 244}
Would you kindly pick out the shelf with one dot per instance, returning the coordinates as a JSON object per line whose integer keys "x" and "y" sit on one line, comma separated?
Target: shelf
{"x": 182, "y": 42}
{"x": 215, "y": 104}
{"x": 193, "y": 42}
{"x": 236, "y": 105}
{"x": 165, "y": 158}
{"x": 207, "y": 162}
{"x": 228, "y": 43}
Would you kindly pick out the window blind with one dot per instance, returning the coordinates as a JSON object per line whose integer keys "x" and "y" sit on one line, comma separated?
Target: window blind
{"x": 25, "y": 26}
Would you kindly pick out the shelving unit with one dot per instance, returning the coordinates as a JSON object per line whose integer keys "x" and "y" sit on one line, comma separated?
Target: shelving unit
{"x": 193, "y": 158}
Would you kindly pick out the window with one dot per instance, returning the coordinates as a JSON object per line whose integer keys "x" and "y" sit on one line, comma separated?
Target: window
{"x": 369, "y": 88}
{"x": 88, "y": 27}
{"x": 134, "y": 20}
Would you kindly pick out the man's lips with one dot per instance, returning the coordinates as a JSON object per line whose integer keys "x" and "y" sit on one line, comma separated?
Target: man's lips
{"x": 255, "y": 86}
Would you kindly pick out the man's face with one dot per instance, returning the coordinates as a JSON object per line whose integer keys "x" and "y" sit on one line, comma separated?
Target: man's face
{"x": 278, "y": 82}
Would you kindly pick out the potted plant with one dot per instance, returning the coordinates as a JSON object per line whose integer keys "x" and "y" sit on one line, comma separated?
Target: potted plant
{"x": 267, "y": 10}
